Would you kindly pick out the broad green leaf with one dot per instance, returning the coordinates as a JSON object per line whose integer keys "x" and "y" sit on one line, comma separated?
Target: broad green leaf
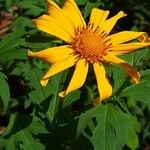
{"x": 85, "y": 119}
{"x": 145, "y": 75}
{"x": 4, "y": 91}
{"x": 135, "y": 58}
{"x": 114, "y": 129}
{"x": 139, "y": 92}
{"x": 110, "y": 121}
{"x": 22, "y": 24}
{"x": 21, "y": 131}
{"x": 8, "y": 45}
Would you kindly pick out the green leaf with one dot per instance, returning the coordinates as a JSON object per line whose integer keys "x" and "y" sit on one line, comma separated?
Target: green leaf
{"x": 145, "y": 75}
{"x": 85, "y": 119}
{"x": 89, "y": 6}
{"x": 21, "y": 23}
{"x": 110, "y": 121}
{"x": 2, "y": 143}
{"x": 138, "y": 92}
{"x": 135, "y": 58}
{"x": 119, "y": 78}
{"x": 21, "y": 131}
{"x": 8, "y": 46}
{"x": 70, "y": 98}
{"x": 8, "y": 4}
{"x": 81, "y": 2}
{"x": 37, "y": 42}
{"x": 46, "y": 96}
{"x": 39, "y": 93}
{"x": 34, "y": 7}
{"x": 4, "y": 91}
{"x": 53, "y": 105}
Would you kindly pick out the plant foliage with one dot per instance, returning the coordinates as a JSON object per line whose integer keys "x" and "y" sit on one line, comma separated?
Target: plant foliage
{"x": 33, "y": 117}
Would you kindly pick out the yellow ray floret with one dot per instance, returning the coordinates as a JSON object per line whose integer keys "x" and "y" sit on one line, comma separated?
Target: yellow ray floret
{"x": 54, "y": 54}
{"x": 78, "y": 77}
{"x": 90, "y": 43}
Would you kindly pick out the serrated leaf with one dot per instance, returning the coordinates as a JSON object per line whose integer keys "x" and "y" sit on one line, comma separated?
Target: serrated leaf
{"x": 140, "y": 92}
{"x": 21, "y": 129}
{"x": 85, "y": 119}
{"x": 118, "y": 127}
{"x": 7, "y": 43}
{"x": 135, "y": 58}
{"x": 108, "y": 133}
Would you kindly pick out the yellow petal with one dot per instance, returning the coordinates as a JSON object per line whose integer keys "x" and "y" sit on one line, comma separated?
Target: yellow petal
{"x": 109, "y": 23}
{"x": 98, "y": 16}
{"x": 52, "y": 55}
{"x": 71, "y": 11}
{"x": 56, "y": 22}
{"x": 125, "y": 36}
{"x": 128, "y": 68}
{"x": 104, "y": 86}
{"x": 126, "y": 48}
{"x": 52, "y": 26}
{"x": 144, "y": 38}
{"x": 57, "y": 13}
{"x": 78, "y": 77}
{"x": 58, "y": 67}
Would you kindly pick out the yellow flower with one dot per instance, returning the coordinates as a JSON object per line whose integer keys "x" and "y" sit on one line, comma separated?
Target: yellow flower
{"x": 86, "y": 44}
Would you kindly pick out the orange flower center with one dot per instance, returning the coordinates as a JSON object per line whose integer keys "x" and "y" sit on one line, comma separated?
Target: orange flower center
{"x": 90, "y": 44}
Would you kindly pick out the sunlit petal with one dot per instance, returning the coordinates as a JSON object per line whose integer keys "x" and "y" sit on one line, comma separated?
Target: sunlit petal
{"x": 70, "y": 9}
{"x": 78, "y": 77}
{"x": 55, "y": 22}
{"x": 103, "y": 84}
{"x": 126, "y": 48}
{"x": 110, "y": 23}
{"x": 125, "y": 36}
{"x": 97, "y": 17}
{"x": 52, "y": 55}
{"x": 58, "y": 67}
{"x": 51, "y": 26}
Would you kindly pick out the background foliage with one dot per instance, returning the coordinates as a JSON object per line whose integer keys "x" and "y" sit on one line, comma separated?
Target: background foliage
{"x": 33, "y": 117}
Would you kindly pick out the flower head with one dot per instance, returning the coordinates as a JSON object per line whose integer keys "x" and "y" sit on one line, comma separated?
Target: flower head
{"x": 89, "y": 43}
